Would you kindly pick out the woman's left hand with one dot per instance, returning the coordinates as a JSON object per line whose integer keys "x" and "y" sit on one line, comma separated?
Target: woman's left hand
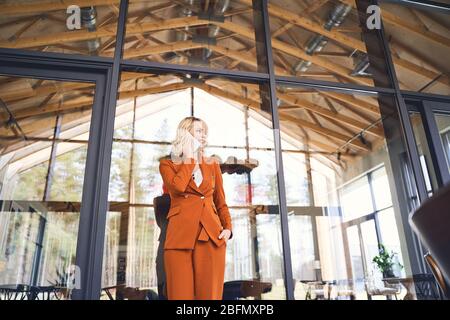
{"x": 225, "y": 234}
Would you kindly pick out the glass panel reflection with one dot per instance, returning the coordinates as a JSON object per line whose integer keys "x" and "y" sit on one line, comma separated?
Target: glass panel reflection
{"x": 443, "y": 124}
{"x": 426, "y": 163}
{"x": 340, "y": 173}
{"x": 355, "y": 252}
{"x": 370, "y": 242}
{"x": 147, "y": 114}
{"x": 43, "y": 140}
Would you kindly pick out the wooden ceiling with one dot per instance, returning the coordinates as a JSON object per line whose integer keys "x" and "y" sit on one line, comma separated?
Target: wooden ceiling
{"x": 174, "y": 32}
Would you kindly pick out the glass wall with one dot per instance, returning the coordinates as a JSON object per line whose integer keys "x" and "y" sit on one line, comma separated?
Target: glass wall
{"x": 443, "y": 124}
{"x": 43, "y": 140}
{"x": 347, "y": 174}
{"x": 426, "y": 163}
{"x": 147, "y": 115}
{"x": 349, "y": 202}
{"x": 430, "y": 120}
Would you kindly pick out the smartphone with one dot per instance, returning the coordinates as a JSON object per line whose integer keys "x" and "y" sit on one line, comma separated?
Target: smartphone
{"x": 195, "y": 143}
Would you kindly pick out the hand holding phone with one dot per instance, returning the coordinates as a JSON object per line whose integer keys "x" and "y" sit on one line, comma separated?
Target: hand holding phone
{"x": 191, "y": 146}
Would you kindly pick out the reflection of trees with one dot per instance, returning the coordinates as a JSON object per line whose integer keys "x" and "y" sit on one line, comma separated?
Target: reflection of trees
{"x": 29, "y": 183}
{"x": 59, "y": 229}
{"x": 120, "y": 166}
{"x": 272, "y": 186}
{"x": 269, "y": 247}
{"x": 141, "y": 236}
{"x": 66, "y": 184}
{"x": 240, "y": 264}
{"x": 67, "y": 181}
{"x": 302, "y": 246}
{"x": 110, "y": 253}
{"x": 19, "y": 250}
{"x": 144, "y": 173}
{"x": 131, "y": 236}
{"x": 265, "y": 187}
{"x": 146, "y": 166}
{"x": 59, "y": 245}
{"x": 142, "y": 246}
{"x": 58, "y": 250}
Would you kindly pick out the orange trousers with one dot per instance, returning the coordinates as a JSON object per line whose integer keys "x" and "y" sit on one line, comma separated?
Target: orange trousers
{"x": 195, "y": 274}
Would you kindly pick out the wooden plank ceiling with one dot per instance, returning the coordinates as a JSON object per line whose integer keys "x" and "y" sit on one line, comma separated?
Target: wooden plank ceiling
{"x": 177, "y": 32}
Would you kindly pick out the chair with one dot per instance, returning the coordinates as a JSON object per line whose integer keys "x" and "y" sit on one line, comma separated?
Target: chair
{"x": 238, "y": 289}
{"x": 14, "y": 292}
{"x": 437, "y": 273}
{"x": 129, "y": 293}
{"x": 430, "y": 221}
{"x": 317, "y": 290}
{"x": 344, "y": 289}
{"x": 44, "y": 293}
{"x": 378, "y": 288}
{"x": 426, "y": 287}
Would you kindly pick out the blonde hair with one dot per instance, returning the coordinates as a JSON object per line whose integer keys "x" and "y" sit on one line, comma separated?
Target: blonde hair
{"x": 181, "y": 137}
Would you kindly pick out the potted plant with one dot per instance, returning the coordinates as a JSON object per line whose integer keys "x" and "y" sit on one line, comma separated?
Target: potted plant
{"x": 385, "y": 261}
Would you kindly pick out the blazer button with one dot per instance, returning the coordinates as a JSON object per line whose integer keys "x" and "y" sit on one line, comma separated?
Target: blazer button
{"x": 203, "y": 197}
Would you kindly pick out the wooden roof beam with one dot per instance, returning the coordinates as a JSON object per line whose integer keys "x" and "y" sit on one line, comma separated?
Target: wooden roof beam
{"x": 307, "y": 24}
{"x": 330, "y": 114}
{"x": 392, "y": 19}
{"x": 192, "y": 21}
{"x": 296, "y": 52}
{"x": 139, "y": 28}
{"x": 26, "y": 91}
{"x": 344, "y": 39}
{"x": 355, "y": 102}
{"x": 328, "y": 132}
{"x": 105, "y": 31}
{"x": 228, "y": 95}
{"x": 52, "y": 5}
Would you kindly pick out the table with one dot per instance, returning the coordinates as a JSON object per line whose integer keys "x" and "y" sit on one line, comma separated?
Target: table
{"x": 122, "y": 292}
{"x": 321, "y": 289}
{"x": 27, "y": 292}
{"x": 407, "y": 283}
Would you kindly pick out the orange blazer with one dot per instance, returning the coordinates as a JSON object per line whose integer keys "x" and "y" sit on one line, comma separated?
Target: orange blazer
{"x": 192, "y": 204}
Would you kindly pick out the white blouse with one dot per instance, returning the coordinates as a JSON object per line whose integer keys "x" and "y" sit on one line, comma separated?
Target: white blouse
{"x": 198, "y": 177}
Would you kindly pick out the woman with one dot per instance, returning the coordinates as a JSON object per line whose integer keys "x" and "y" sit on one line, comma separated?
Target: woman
{"x": 199, "y": 222}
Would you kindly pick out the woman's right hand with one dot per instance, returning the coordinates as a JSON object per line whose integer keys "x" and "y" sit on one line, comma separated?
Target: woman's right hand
{"x": 188, "y": 147}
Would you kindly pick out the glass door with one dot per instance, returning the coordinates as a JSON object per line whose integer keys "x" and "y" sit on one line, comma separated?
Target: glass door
{"x": 431, "y": 125}
{"x": 356, "y": 253}
{"x": 362, "y": 242}
{"x": 443, "y": 125}
{"x": 47, "y": 121}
